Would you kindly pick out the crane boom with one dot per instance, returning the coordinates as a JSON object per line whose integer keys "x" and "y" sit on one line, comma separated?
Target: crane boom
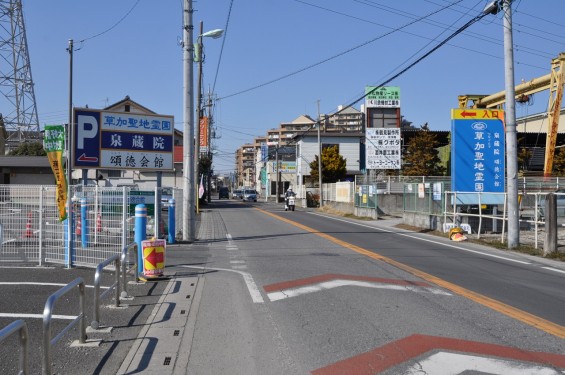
{"x": 554, "y": 111}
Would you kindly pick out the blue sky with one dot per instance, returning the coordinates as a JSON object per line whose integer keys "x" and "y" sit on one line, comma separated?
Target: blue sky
{"x": 267, "y": 40}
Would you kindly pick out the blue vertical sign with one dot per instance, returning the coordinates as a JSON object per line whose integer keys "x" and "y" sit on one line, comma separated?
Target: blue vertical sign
{"x": 477, "y": 150}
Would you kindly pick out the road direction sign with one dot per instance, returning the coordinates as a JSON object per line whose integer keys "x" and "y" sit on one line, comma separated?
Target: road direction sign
{"x": 122, "y": 140}
{"x": 477, "y": 150}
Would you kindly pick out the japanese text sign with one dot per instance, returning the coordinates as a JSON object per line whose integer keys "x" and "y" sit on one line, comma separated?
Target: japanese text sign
{"x": 122, "y": 140}
{"x": 382, "y": 148}
{"x": 477, "y": 150}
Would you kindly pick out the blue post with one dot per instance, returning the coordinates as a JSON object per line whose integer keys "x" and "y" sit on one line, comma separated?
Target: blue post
{"x": 140, "y": 232}
{"x": 172, "y": 228}
{"x": 84, "y": 222}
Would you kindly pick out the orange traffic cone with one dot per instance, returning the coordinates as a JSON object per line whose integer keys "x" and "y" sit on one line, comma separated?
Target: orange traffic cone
{"x": 29, "y": 231}
{"x": 78, "y": 229}
{"x": 99, "y": 223}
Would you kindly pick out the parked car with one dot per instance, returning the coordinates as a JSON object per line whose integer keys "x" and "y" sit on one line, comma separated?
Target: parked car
{"x": 237, "y": 194}
{"x": 250, "y": 195}
{"x": 224, "y": 193}
{"x": 166, "y": 195}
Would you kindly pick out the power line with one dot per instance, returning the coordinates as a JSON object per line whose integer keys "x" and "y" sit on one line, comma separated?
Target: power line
{"x": 332, "y": 57}
{"x": 111, "y": 27}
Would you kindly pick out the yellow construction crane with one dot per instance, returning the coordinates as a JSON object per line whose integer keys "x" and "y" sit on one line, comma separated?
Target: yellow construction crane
{"x": 552, "y": 82}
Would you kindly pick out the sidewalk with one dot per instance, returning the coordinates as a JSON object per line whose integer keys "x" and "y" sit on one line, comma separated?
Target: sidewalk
{"x": 163, "y": 344}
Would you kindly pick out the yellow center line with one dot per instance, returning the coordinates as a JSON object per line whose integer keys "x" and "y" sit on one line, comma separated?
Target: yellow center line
{"x": 520, "y": 315}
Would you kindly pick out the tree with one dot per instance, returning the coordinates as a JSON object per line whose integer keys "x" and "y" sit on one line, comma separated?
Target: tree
{"x": 559, "y": 162}
{"x": 29, "y": 149}
{"x": 422, "y": 157}
{"x": 333, "y": 166}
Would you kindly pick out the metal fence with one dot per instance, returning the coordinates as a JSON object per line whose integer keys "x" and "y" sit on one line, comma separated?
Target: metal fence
{"x": 101, "y": 222}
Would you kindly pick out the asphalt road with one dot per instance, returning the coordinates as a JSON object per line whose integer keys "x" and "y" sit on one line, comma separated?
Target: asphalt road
{"x": 302, "y": 293}
{"x": 331, "y": 307}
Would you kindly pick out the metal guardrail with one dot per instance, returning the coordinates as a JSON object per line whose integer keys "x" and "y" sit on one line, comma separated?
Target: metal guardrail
{"x": 116, "y": 286}
{"x": 20, "y": 327}
{"x": 48, "y": 311}
{"x": 125, "y": 250}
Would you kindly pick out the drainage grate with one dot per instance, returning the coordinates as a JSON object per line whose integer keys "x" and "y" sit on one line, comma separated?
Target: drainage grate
{"x": 183, "y": 312}
{"x": 188, "y": 296}
{"x": 167, "y": 361}
{"x": 176, "y": 333}
{"x": 191, "y": 284}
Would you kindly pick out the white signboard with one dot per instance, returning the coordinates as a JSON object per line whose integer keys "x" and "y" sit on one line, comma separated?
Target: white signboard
{"x": 382, "y": 148}
{"x": 122, "y": 140}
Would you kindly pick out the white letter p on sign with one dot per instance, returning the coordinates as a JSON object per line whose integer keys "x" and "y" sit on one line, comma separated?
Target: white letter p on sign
{"x": 87, "y": 128}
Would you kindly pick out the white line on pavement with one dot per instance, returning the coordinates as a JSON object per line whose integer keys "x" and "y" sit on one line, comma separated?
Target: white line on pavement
{"x": 294, "y": 292}
{"x": 43, "y": 284}
{"x": 38, "y": 316}
{"x": 426, "y": 240}
{"x": 251, "y": 286}
{"x": 554, "y": 269}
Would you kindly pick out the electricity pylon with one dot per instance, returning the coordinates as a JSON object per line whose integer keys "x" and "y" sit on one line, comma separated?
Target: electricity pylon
{"x": 17, "y": 102}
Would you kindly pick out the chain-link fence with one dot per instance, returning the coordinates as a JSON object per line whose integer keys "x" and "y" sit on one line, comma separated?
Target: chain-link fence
{"x": 101, "y": 222}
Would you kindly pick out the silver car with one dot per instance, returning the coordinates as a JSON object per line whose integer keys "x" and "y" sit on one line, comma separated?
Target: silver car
{"x": 250, "y": 195}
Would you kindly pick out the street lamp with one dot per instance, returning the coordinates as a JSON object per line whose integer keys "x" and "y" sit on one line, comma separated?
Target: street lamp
{"x": 215, "y": 34}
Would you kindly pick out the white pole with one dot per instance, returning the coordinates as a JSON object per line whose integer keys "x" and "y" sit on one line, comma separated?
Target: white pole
{"x": 511, "y": 141}
{"x": 188, "y": 196}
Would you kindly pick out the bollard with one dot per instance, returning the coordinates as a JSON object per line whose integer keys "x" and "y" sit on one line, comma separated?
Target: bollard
{"x": 140, "y": 231}
{"x": 84, "y": 222}
{"x": 172, "y": 228}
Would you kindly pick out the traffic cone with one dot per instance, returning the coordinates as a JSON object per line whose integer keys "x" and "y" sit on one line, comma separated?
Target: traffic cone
{"x": 29, "y": 231}
{"x": 99, "y": 223}
{"x": 78, "y": 229}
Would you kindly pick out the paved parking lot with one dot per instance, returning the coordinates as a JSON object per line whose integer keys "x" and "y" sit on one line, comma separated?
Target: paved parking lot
{"x": 24, "y": 292}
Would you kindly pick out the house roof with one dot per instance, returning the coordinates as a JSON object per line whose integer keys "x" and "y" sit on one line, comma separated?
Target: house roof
{"x": 133, "y": 105}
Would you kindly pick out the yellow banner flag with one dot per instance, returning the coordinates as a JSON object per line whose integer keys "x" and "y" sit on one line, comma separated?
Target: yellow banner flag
{"x": 54, "y": 144}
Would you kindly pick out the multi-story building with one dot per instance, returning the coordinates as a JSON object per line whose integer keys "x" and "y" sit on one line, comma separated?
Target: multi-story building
{"x": 262, "y": 172}
{"x": 344, "y": 120}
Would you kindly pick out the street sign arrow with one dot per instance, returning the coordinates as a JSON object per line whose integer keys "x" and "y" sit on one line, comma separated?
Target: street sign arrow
{"x": 87, "y": 159}
{"x": 468, "y": 114}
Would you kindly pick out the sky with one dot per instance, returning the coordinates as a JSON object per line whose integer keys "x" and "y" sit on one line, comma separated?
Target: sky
{"x": 280, "y": 59}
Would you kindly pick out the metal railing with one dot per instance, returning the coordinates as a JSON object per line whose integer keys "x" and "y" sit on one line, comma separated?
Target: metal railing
{"x": 123, "y": 260}
{"x": 47, "y": 313}
{"x": 20, "y": 327}
{"x": 115, "y": 286}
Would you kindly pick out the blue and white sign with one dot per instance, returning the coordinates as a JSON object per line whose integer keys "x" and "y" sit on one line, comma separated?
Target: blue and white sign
{"x": 122, "y": 140}
{"x": 477, "y": 150}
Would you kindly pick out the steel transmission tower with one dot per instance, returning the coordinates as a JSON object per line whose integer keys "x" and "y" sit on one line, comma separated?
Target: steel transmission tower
{"x": 18, "y": 109}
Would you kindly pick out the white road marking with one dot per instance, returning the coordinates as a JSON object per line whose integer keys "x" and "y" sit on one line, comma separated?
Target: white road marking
{"x": 237, "y": 261}
{"x": 38, "y": 316}
{"x": 294, "y": 292}
{"x": 443, "y": 363}
{"x": 44, "y": 284}
{"x": 554, "y": 269}
{"x": 251, "y": 286}
{"x": 426, "y": 240}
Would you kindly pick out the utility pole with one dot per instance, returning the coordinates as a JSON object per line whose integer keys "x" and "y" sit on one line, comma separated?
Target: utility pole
{"x": 277, "y": 173}
{"x": 320, "y": 157}
{"x": 511, "y": 138}
{"x": 198, "y": 114}
{"x": 210, "y": 146}
{"x": 188, "y": 223}
{"x": 69, "y": 151}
